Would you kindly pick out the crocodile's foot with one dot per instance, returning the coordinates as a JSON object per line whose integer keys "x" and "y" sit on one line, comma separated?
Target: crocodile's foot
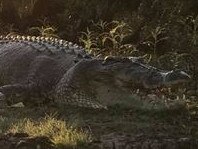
{"x": 22, "y": 93}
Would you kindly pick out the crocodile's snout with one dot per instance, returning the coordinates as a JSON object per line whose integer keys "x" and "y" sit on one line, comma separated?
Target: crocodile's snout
{"x": 175, "y": 77}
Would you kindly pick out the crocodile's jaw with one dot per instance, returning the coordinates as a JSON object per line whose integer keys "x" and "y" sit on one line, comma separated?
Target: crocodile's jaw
{"x": 165, "y": 79}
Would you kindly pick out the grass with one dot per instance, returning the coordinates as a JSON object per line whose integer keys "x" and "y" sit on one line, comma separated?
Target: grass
{"x": 73, "y": 127}
{"x": 61, "y": 133}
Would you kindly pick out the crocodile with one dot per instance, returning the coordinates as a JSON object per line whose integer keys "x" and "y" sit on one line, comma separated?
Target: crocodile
{"x": 40, "y": 69}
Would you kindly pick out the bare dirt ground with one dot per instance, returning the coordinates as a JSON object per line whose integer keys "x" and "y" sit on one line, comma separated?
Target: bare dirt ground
{"x": 119, "y": 127}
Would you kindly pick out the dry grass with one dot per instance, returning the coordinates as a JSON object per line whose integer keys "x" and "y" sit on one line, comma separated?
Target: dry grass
{"x": 61, "y": 133}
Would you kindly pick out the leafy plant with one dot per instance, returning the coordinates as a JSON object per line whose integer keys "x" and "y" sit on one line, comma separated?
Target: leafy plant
{"x": 173, "y": 60}
{"x": 104, "y": 38}
{"x": 88, "y": 40}
{"x": 46, "y": 30}
{"x": 155, "y": 37}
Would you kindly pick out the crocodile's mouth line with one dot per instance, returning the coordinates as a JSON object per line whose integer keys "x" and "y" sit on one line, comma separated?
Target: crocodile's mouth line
{"x": 162, "y": 93}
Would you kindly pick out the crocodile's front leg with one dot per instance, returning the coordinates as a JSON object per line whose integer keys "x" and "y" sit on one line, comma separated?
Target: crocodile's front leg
{"x": 36, "y": 87}
{"x": 14, "y": 93}
{"x": 74, "y": 89}
{"x": 29, "y": 94}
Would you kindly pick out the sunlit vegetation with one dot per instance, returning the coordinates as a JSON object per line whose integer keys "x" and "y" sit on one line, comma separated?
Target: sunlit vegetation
{"x": 58, "y": 131}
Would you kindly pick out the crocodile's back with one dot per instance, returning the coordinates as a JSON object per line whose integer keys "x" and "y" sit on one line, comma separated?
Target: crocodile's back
{"x": 18, "y": 56}
{"x": 15, "y": 59}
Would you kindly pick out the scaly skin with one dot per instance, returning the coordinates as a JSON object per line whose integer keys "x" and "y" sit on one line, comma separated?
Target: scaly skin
{"x": 91, "y": 79}
{"x": 35, "y": 68}
{"x": 32, "y": 66}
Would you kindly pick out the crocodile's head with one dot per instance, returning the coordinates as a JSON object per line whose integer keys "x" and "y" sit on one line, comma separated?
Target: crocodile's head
{"x": 131, "y": 72}
{"x": 91, "y": 78}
